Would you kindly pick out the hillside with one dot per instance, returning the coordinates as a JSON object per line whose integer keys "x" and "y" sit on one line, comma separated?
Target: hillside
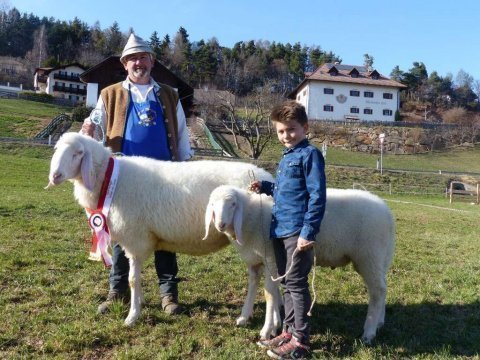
{"x": 23, "y": 119}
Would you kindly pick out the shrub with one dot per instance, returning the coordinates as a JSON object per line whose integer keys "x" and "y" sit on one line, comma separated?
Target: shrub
{"x": 80, "y": 112}
{"x": 456, "y": 115}
{"x": 398, "y": 117}
{"x": 30, "y": 95}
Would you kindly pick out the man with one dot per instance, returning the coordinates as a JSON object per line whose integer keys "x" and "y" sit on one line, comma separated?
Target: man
{"x": 144, "y": 118}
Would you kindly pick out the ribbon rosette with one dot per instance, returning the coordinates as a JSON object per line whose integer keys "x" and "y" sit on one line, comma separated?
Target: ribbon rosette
{"x": 101, "y": 238}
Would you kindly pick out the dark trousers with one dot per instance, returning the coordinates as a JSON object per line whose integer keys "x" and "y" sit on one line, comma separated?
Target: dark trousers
{"x": 296, "y": 294}
{"x": 165, "y": 265}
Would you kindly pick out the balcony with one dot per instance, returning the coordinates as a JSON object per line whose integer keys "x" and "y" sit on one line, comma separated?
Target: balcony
{"x": 70, "y": 90}
{"x": 66, "y": 77}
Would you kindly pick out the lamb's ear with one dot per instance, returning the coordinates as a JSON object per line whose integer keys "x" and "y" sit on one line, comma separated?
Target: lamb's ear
{"x": 208, "y": 219}
{"x": 238, "y": 221}
{"x": 87, "y": 170}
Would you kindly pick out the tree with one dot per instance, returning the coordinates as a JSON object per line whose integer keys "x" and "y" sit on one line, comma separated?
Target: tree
{"x": 113, "y": 40}
{"x": 397, "y": 74}
{"x": 247, "y": 119}
{"x": 368, "y": 61}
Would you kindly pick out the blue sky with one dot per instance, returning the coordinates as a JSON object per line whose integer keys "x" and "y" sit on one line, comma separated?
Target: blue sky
{"x": 443, "y": 34}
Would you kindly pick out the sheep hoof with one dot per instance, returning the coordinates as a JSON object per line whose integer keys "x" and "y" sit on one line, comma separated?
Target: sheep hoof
{"x": 242, "y": 321}
{"x": 130, "y": 320}
{"x": 367, "y": 340}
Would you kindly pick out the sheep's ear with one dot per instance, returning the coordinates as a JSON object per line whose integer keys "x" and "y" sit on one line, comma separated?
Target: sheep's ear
{"x": 208, "y": 219}
{"x": 87, "y": 171}
{"x": 238, "y": 222}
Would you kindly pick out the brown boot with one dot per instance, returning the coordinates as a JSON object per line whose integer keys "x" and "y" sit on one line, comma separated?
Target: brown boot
{"x": 111, "y": 298}
{"x": 171, "y": 306}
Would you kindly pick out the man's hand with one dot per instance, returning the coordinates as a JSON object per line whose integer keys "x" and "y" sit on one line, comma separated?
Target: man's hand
{"x": 88, "y": 128}
{"x": 304, "y": 244}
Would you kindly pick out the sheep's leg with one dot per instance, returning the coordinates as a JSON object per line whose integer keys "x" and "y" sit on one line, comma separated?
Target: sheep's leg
{"x": 253, "y": 281}
{"x": 272, "y": 311}
{"x": 135, "y": 290}
{"x": 374, "y": 278}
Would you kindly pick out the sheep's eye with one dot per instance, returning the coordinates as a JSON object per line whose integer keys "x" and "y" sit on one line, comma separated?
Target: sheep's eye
{"x": 233, "y": 204}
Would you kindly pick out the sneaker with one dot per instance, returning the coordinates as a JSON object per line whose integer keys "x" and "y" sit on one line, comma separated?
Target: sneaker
{"x": 294, "y": 349}
{"x": 111, "y": 298}
{"x": 281, "y": 339}
{"x": 171, "y": 306}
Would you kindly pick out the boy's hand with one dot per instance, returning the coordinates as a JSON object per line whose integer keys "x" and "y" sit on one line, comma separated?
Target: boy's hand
{"x": 304, "y": 244}
{"x": 255, "y": 186}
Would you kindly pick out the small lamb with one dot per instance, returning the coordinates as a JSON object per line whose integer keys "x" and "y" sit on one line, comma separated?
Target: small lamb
{"x": 358, "y": 227}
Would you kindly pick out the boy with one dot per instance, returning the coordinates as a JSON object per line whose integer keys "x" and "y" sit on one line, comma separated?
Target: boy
{"x": 299, "y": 195}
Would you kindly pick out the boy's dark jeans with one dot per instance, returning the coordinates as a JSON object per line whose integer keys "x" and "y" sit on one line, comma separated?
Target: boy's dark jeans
{"x": 165, "y": 264}
{"x": 296, "y": 294}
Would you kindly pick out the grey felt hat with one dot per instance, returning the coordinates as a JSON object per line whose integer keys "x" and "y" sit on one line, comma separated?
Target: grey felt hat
{"x": 135, "y": 44}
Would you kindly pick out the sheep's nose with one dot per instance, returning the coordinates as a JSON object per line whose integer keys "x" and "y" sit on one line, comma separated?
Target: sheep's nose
{"x": 221, "y": 226}
{"x": 55, "y": 177}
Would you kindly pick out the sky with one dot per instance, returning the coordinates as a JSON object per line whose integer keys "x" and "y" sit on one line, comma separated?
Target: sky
{"x": 443, "y": 34}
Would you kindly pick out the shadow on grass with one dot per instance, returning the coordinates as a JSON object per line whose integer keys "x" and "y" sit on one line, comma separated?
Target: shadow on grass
{"x": 409, "y": 330}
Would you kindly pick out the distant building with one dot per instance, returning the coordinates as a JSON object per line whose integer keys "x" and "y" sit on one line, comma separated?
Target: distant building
{"x": 110, "y": 71}
{"x": 348, "y": 92}
{"x": 61, "y": 82}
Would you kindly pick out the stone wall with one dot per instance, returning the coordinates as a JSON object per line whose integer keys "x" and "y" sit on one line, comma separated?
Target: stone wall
{"x": 398, "y": 140}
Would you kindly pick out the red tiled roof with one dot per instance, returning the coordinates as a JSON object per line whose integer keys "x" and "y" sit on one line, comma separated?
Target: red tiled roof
{"x": 343, "y": 74}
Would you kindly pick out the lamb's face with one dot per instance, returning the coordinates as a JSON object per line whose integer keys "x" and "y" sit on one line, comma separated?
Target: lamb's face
{"x": 223, "y": 212}
{"x": 222, "y": 206}
{"x": 65, "y": 163}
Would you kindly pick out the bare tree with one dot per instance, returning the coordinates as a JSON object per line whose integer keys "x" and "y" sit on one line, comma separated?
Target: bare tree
{"x": 247, "y": 119}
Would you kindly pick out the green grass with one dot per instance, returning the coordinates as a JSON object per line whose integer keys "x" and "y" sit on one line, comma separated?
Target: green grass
{"x": 453, "y": 161}
{"x": 24, "y": 118}
{"x": 49, "y": 291}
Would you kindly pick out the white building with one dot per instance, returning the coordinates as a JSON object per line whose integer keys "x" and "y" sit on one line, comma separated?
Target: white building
{"x": 62, "y": 82}
{"x": 347, "y": 92}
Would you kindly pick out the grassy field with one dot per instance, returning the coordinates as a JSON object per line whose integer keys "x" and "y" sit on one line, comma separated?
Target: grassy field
{"x": 49, "y": 291}
{"x": 23, "y": 118}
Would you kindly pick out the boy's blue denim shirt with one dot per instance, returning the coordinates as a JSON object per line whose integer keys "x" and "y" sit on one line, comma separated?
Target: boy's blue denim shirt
{"x": 299, "y": 193}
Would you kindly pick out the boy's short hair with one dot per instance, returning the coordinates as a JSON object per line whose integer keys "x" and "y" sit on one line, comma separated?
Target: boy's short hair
{"x": 289, "y": 110}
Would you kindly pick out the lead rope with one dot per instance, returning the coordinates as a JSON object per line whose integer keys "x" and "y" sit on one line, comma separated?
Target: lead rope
{"x": 309, "y": 313}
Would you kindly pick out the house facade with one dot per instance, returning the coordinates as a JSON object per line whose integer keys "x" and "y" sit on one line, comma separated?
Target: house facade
{"x": 348, "y": 92}
{"x": 61, "y": 82}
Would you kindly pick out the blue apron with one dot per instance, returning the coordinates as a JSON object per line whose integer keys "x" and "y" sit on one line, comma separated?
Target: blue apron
{"x": 145, "y": 132}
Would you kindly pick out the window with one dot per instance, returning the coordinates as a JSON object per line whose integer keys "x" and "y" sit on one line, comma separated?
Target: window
{"x": 327, "y": 108}
{"x": 354, "y": 93}
{"x": 304, "y": 93}
{"x": 368, "y": 111}
{"x": 387, "y": 95}
{"x": 368, "y": 94}
{"x": 387, "y": 112}
{"x": 328, "y": 91}
{"x": 354, "y": 110}
{"x": 298, "y": 97}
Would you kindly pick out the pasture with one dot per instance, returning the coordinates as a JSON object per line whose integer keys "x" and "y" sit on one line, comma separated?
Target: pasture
{"x": 49, "y": 291}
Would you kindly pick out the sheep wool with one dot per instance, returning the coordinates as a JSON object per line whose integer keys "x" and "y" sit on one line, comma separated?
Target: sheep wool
{"x": 358, "y": 227}
{"x": 158, "y": 205}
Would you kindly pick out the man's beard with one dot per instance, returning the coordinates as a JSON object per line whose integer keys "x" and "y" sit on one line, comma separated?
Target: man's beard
{"x": 141, "y": 73}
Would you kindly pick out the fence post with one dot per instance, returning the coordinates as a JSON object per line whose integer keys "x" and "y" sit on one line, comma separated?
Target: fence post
{"x": 477, "y": 193}
{"x": 390, "y": 188}
{"x": 451, "y": 192}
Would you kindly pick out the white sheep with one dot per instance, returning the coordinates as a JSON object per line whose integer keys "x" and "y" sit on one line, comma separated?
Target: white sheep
{"x": 157, "y": 205}
{"x": 358, "y": 227}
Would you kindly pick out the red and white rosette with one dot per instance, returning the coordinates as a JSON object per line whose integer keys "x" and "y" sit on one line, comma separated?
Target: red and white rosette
{"x": 98, "y": 218}
{"x": 101, "y": 239}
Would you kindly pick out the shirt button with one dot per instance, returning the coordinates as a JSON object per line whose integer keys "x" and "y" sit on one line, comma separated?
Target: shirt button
{"x": 171, "y": 147}
{"x": 173, "y": 157}
{"x": 169, "y": 135}
{"x": 166, "y": 121}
